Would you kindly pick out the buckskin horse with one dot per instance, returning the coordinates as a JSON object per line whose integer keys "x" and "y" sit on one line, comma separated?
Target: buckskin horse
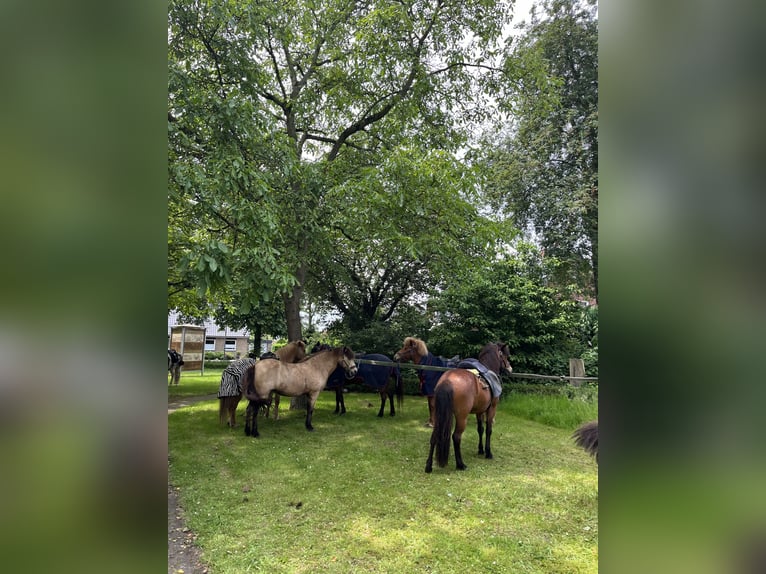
{"x": 461, "y": 392}
{"x": 308, "y": 377}
{"x": 230, "y": 389}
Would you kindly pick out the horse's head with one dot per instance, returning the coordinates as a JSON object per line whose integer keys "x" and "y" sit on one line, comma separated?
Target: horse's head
{"x": 412, "y": 349}
{"x": 348, "y": 363}
{"x": 496, "y": 357}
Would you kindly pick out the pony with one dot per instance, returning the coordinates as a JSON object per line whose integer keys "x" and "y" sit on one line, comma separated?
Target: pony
{"x": 175, "y": 362}
{"x": 307, "y": 377}
{"x": 586, "y": 437}
{"x": 230, "y": 390}
{"x": 416, "y": 351}
{"x": 460, "y": 392}
{"x": 376, "y": 376}
{"x": 291, "y": 353}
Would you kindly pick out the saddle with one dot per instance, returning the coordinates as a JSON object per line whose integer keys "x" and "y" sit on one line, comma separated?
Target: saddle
{"x": 489, "y": 377}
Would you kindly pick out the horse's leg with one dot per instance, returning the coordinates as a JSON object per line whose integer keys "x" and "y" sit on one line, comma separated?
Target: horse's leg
{"x": 276, "y": 405}
{"x": 460, "y": 422}
{"x": 391, "y": 401}
{"x": 480, "y": 428}
{"x": 251, "y": 419}
{"x": 431, "y": 406}
{"x": 340, "y": 403}
{"x": 310, "y": 409}
{"x": 430, "y": 461}
{"x": 233, "y": 411}
{"x": 490, "y": 424}
{"x": 383, "y": 395}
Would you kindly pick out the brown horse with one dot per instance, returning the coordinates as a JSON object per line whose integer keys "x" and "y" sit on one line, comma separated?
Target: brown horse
{"x": 230, "y": 391}
{"x": 292, "y": 379}
{"x": 461, "y": 392}
{"x": 416, "y": 351}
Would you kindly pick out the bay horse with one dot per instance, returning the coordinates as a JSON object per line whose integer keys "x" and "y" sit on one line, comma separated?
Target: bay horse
{"x": 416, "y": 351}
{"x": 230, "y": 390}
{"x": 461, "y": 392}
{"x": 307, "y": 377}
{"x": 378, "y": 377}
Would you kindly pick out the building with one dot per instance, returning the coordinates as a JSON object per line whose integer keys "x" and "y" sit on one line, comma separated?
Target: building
{"x": 236, "y": 343}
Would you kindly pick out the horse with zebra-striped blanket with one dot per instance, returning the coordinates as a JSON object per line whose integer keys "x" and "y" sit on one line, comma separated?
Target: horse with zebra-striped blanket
{"x": 230, "y": 390}
{"x": 307, "y": 377}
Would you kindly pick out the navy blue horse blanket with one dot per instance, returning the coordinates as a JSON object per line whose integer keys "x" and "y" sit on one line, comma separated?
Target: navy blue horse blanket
{"x": 428, "y": 379}
{"x": 375, "y": 376}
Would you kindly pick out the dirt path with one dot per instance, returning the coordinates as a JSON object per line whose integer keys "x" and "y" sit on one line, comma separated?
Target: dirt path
{"x": 183, "y": 554}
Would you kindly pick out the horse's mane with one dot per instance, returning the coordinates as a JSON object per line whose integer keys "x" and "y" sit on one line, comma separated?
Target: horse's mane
{"x": 417, "y": 343}
{"x": 327, "y": 350}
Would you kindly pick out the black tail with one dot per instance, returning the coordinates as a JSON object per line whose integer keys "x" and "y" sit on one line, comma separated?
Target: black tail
{"x": 586, "y": 437}
{"x": 442, "y": 423}
{"x": 247, "y": 383}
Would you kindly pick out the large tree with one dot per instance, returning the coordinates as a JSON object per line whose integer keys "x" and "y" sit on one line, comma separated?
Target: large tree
{"x": 544, "y": 168}
{"x": 396, "y": 232}
{"x": 324, "y": 81}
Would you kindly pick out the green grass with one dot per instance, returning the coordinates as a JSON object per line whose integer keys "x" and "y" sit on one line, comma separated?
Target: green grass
{"x": 352, "y": 496}
{"x": 193, "y": 384}
{"x": 554, "y": 410}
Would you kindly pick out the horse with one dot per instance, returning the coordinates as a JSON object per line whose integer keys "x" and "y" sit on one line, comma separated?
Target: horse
{"x": 291, "y": 353}
{"x": 416, "y": 351}
{"x": 175, "y": 362}
{"x": 230, "y": 390}
{"x": 376, "y": 376}
{"x": 308, "y": 377}
{"x": 586, "y": 437}
{"x": 460, "y": 392}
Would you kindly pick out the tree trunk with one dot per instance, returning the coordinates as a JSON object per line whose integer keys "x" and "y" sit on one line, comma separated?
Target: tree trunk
{"x": 294, "y": 327}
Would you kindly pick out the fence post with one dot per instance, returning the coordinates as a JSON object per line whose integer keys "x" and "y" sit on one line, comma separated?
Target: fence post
{"x": 576, "y": 369}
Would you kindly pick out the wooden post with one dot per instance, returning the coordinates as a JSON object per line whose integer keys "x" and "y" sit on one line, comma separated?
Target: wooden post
{"x": 576, "y": 369}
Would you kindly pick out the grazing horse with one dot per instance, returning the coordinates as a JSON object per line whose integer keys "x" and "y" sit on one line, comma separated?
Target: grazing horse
{"x": 461, "y": 392}
{"x": 308, "y": 377}
{"x": 230, "y": 389}
{"x": 586, "y": 437}
{"x": 416, "y": 351}
{"x": 376, "y": 376}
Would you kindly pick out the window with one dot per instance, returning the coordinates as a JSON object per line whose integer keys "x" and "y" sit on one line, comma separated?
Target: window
{"x": 230, "y": 345}
{"x": 209, "y": 344}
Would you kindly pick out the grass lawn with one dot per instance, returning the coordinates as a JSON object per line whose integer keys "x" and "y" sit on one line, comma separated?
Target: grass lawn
{"x": 193, "y": 384}
{"x": 352, "y": 496}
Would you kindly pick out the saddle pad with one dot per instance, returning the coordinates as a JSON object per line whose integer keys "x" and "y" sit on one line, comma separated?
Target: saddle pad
{"x": 481, "y": 370}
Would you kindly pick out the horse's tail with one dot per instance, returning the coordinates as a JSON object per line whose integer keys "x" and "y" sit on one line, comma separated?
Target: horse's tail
{"x": 247, "y": 383}
{"x": 399, "y": 386}
{"x": 586, "y": 437}
{"x": 443, "y": 422}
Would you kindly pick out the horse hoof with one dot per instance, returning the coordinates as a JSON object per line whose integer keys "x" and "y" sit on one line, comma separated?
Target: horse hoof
{"x": 462, "y": 467}
{"x": 428, "y": 469}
